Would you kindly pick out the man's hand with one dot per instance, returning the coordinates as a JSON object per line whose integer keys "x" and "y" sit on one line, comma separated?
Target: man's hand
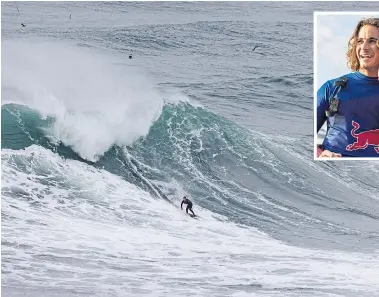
{"x": 329, "y": 154}
{"x": 181, "y": 208}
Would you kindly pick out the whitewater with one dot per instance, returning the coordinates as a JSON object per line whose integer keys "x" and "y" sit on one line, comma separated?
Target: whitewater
{"x": 98, "y": 150}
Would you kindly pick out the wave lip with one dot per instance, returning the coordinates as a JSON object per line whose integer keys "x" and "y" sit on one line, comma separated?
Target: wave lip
{"x": 95, "y": 101}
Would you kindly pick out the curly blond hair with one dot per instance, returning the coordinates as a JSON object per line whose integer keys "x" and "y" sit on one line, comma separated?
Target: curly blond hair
{"x": 352, "y": 59}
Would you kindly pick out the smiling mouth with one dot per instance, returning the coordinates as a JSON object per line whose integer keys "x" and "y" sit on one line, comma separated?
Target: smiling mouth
{"x": 366, "y": 57}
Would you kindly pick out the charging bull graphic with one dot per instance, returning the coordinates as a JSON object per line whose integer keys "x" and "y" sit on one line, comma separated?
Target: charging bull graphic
{"x": 364, "y": 139}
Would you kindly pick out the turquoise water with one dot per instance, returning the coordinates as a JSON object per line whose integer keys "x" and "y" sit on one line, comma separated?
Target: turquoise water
{"x": 98, "y": 149}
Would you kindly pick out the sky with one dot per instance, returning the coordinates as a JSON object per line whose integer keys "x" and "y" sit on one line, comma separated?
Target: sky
{"x": 332, "y": 35}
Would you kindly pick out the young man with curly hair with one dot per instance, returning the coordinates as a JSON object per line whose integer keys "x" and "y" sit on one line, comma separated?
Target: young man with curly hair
{"x": 350, "y": 104}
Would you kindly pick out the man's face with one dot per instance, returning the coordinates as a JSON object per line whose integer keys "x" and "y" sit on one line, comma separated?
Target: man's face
{"x": 367, "y": 51}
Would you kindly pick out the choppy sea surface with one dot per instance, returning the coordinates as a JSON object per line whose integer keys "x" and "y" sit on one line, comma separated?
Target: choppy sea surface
{"x": 98, "y": 149}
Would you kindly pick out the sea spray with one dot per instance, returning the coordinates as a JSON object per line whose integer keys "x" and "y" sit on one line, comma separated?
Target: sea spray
{"x": 95, "y": 100}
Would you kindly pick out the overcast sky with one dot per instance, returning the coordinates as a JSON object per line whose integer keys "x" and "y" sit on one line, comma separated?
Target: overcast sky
{"x": 333, "y": 33}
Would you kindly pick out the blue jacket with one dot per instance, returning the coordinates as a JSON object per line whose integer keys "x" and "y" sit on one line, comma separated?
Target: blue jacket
{"x": 354, "y": 128}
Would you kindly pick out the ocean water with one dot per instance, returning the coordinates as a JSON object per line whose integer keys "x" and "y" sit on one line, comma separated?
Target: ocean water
{"x": 98, "y": 149}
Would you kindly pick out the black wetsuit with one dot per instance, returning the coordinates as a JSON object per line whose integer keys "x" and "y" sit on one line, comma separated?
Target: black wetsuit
{"x": 189, "y": 205}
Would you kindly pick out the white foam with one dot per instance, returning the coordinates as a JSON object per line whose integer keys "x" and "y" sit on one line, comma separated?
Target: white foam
{"x": 107, "y": 229}
{"x": 96, "y": 103}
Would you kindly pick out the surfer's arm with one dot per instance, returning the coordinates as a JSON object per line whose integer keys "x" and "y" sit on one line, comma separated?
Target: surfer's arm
{"x": 181, "y": 205}
{"x": 329, "y": 154}
{"x": 322, "y": 105}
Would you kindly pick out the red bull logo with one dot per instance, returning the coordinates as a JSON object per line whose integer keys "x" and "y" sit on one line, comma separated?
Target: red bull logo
{"x": 364, "y": 139}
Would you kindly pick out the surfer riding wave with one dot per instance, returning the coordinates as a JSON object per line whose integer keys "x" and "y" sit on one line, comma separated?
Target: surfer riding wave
{"x": 189, "y": 205}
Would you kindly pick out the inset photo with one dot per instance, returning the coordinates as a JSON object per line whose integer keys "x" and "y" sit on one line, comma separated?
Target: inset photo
{"x": 346, "y": 85}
